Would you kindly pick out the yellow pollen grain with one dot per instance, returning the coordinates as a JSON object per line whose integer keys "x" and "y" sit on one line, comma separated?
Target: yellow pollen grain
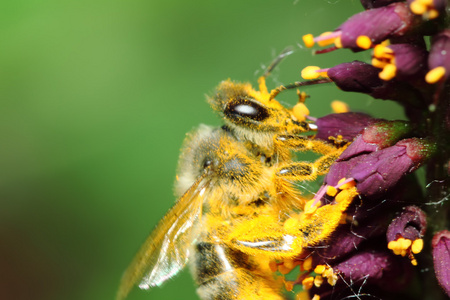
{"x": 363, "y": 42}
{"x": 289, "y": 263}
{"x": 434, "y": 75}
{"x": 303, "y": 295}
{"x": 338, "y": 42}
{"x": 332, "y": 280}
{"x": 319, "y": 269}
{"x": 310, "y": 72}
{"x": 417, "y": 246}
{"x": 308, "y": 283}
{"x": 289, "y": 285}
{"x": 414, "y": 262}
{"x": 273, "y": 266}
{"x": 300, "y": 111}
{"x": 339, "y": 107}
{"x": 308, "y": 39}
{"x": 347, "y": 185}
{"x": 290, "y": 224}
{"x": 389, "y": 72}
{"x": 331, "y": 191}
{"x": 309, "y": 208}
{"x": 325, "y": 42}
{"x": 318, "y": 280}
{"x": 307, "y": 264}
{"x": 283, "y": 269}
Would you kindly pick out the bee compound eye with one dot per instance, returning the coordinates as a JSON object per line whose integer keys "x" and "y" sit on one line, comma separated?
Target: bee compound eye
{"x": 247, "y": 109}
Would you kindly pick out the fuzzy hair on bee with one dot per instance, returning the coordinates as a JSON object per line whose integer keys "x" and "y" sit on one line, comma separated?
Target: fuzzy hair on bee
{"x": 236, "y": 185}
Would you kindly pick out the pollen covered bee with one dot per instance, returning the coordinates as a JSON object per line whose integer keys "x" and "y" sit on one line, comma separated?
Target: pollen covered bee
{"x": 228, "y": 179}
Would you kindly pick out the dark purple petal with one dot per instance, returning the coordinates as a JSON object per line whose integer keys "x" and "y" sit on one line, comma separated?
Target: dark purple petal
{"x": 440, "y": 52}
{"x": 361, "y": 77}
{"x": 410, "y": 60}
{"x": 378, "y": 24}
{"x": 410, "y": 224}
{"x": 355, "y": 76}
{"x": 348, "y": 125}
{"x": 441, "y": 258}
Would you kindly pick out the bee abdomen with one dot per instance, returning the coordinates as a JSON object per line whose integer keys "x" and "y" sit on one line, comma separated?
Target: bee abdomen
{"x": 225, "y": 274}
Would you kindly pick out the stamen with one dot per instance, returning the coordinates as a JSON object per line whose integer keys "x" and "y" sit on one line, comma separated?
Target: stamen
{"x": 313, "y": 72}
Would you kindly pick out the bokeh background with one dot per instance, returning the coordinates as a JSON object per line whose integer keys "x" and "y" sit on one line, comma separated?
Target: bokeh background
{"x": 96, "y": 97}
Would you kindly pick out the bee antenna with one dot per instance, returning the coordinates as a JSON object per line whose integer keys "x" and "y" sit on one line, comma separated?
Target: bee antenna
{"x": 276, "y": 91}
{"x": 287, "y": 51}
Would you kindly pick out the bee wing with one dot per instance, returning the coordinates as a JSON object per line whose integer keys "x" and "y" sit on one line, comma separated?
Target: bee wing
{"x": 166, "y": 251}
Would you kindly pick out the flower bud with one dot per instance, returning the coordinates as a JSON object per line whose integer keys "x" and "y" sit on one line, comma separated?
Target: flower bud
{"x": 347, "y": 125}
{"x": 439, "y": 58}
{"x": 441, "y": 258}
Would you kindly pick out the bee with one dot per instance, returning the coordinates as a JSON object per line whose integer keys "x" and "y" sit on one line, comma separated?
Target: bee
{"x": 227, "y": 178}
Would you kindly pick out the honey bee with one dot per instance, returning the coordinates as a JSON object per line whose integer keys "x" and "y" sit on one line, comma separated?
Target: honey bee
{"x": 228, "y": 177}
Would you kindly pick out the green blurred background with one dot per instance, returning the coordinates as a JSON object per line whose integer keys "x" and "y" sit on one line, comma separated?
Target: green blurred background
{"x": 96, "y": 97}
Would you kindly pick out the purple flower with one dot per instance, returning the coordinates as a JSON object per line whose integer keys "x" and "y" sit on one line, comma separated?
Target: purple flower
{"x": 441, "y": 258}
{"x": 405, "y": 233}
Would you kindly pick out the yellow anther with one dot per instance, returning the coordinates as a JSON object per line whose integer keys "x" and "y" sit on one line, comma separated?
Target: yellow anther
{"x": 318, "y": 280}
{"x": 405, "y": 243}
{"x": 417, "y": 246}
{"x": 320, "y": 269}
{"x": 432, "y": 14}
{"x": 339, "y": 107}
{"x": 378, "y": 63}
{"x": 414, "y": 262}
{"x": 417, "y": 8}
{"x": 338, "y": 42}
{"x": 434, "y": 75}
{"x": 310, "y": 72}
{"x": 331, "y": 191}
{"x": 307, "y": 264}
{"x": 300, "y": 111}
{"x": 363, "y": 42}
{"x": 273, "y": 266}
{"x": 347, "y": 185}
{"x": 389, "y": 72}
{"x": 316, "y": 297}
{"x": 326, "y": 42}
{"x": 308, "y": 283}
{"x": 309, "y": 208}
{"x": 289, "y": 285}
{"x": 308, "y": 39}
{"x": 382, "y": 51}
{"x": 290, "y": 224}
{"x": 395, "y": 247}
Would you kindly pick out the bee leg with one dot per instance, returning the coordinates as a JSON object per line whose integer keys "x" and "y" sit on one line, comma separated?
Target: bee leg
{"x": 304, "y": 143}
{"x": 300, "y": 171}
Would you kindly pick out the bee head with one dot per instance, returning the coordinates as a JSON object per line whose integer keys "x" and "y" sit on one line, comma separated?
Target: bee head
{"x": 252, "y": 115}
